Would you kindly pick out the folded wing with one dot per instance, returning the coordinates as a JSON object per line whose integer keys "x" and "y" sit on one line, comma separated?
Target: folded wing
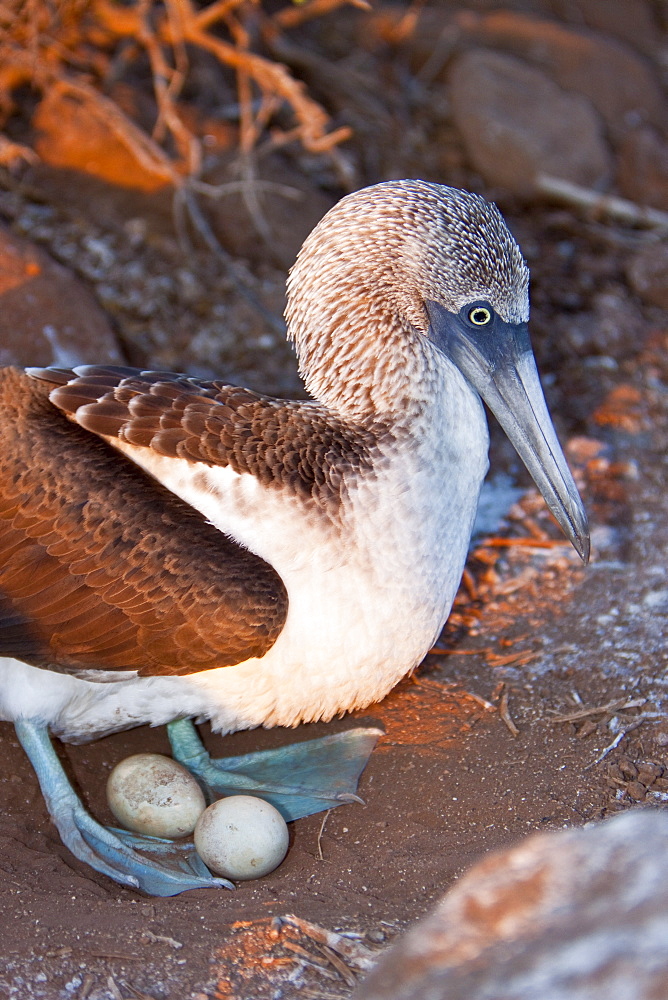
{"x": 103, "y": 568}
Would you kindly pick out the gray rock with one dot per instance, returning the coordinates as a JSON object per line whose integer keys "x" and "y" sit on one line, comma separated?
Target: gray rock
{"x": 647, "y": 271}
{"x": 643, "y": 168}
{"x": 47, "y": 315}
{"x": 516, "y": 123}
{"x": 619, "y": 83}
{"x": 572, "y": 915}
{"x": 635, "y": 23}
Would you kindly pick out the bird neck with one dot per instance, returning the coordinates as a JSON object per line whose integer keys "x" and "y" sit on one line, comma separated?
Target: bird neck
{"x": 362, "y": 361}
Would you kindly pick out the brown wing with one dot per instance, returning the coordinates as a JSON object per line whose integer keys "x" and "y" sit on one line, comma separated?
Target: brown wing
{"x": 291, "y": 445}
{"x": 101, "y": 567}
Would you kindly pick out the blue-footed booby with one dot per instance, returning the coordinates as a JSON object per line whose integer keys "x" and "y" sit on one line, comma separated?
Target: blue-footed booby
{"x": 173, "y": 549}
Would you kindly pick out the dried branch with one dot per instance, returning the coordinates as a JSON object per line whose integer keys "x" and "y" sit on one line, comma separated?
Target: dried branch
{"x": 357, "y": 955}
{"x": 185, "y": 24}
{"x": 291, "y": 17}
{"x": 645, "y": 717}
{"x": 601, "y": 204}
{"x": 619, "y": 705}
{"x": 504, "y": 713}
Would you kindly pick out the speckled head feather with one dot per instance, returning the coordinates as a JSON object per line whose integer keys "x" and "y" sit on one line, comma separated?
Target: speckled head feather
{"x": 357, "y": 290}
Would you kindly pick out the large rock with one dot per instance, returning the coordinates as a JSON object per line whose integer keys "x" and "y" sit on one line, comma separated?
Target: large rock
{"x": 647, "y": 271}
{"x": 635, "y": 22}
{"x": 643, "y": 168}
{"x": 516, "y": 123}
{"x": 619, "y": 83}
{"x": 613, "y": 327}
{"x": 47, "y": 316}
{"x": 576, "y": 915}
{"x": 76, "y": 132}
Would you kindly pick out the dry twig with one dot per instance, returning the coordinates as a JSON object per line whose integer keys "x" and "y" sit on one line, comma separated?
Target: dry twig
{"x": 504, "y": 712}
{"x": 343, "y": 970}
{"x": 291, "y": 17}
{"x": 619, "y": 705}
{"x": 309, "y": 958}
{"x": 528, "y": 543}
{"x": 487, "y": 705}
{"x": 357, "y": 955}
{"x": 438, "y": 651}
{"x": 320, "y": 855}
{"x": 646, "y": 717}
{"x": 600, "y": 204}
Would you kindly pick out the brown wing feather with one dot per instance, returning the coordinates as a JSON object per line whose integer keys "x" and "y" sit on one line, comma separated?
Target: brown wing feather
{"x": 291, "y": 445}
{"x": 100, "y": 567}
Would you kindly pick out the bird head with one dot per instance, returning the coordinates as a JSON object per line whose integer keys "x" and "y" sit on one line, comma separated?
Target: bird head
{"x": 402, "y": 275}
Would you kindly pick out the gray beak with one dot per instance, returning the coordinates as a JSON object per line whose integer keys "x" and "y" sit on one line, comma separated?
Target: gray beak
{"x": 497, "y": 360}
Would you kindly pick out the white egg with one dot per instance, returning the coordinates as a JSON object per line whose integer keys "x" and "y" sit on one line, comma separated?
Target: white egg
{"x": 149, "y": 793}
{"x": 241, "y": 837}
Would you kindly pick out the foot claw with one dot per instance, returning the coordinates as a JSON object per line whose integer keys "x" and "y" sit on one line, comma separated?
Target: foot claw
{"x": 346, "y": 798}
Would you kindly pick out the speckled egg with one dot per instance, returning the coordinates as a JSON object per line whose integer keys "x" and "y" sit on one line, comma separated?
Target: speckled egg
{"x": 152, "y": 794}
{"x": 241, "y": 837}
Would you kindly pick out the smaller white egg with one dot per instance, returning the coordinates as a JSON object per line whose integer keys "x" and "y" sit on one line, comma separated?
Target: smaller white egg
{"x": 241, "y": 837}
{"x": 152, "y": 794}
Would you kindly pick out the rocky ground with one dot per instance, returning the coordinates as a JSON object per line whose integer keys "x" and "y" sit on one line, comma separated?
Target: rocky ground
{"x": 544, "y": 704}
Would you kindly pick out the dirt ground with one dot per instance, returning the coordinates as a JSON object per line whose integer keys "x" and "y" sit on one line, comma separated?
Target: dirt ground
{"x": 543, "y": 705}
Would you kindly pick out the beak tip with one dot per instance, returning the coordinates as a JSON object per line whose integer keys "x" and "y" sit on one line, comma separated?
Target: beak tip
{"x": 579, "y": 533}
{"x": 583, "y": 548}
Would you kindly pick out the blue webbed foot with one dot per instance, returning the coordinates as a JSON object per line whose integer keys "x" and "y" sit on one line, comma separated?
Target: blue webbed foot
{"x": 298, "y": 780}
{"x": 109, "y": 850}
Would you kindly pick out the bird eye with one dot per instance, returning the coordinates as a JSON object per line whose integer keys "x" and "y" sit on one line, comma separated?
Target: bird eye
{"x": 480, "y": 315}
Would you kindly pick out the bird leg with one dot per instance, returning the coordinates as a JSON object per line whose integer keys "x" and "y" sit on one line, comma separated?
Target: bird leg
{"x": 298, "y": 780}
{"x": 109, "y": 850}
